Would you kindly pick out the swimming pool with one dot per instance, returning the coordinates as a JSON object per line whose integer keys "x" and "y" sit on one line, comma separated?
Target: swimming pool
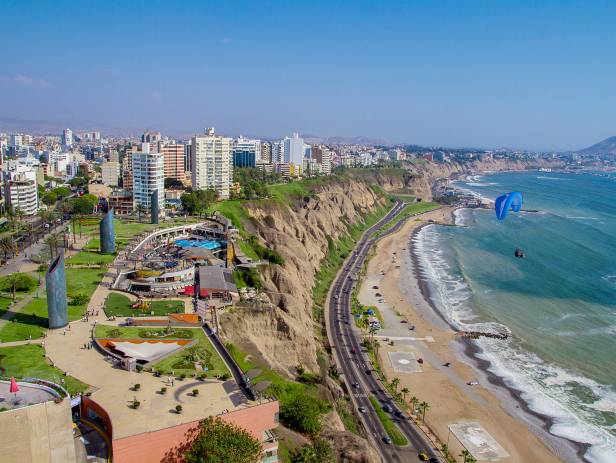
{"x": 207, "y": 244}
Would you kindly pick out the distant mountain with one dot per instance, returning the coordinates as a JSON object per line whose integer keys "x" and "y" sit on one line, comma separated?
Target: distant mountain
{"x": 605, "y": 147}
{"x": 340, "y": 140}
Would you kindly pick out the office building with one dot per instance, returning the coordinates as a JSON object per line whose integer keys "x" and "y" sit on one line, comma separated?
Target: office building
{"x": 174, "y": 161}
{"x": 211, "y": 163}
{"x": 148, "y": 176}
{"x": 246, "y": 152}
{"x": 277, "y": 152}
{"x": 110, "y": 173}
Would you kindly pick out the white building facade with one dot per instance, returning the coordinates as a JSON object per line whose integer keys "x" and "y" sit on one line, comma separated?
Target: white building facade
{"x": 211, "y": 163}
{"x": 148, "y": 176}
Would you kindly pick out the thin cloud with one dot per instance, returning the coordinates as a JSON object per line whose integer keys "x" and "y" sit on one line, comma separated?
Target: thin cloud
{"x": 226, "y": 41}
{"x": 21, "y": 80}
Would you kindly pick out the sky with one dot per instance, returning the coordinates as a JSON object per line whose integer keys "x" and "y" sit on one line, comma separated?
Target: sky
{"x": 534, "y": 75}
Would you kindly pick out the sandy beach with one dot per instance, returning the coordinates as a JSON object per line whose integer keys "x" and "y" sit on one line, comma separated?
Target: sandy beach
{"x": 391, "y": 286}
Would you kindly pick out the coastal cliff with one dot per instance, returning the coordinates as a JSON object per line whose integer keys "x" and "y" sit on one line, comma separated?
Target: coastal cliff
{"x": 418, "y": 177}
{"x": 301, "y": 229}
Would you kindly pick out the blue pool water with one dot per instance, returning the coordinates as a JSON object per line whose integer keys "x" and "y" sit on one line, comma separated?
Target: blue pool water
{"x": 207, "y": 244}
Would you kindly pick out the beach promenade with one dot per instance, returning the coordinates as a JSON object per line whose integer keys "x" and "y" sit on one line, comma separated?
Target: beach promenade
{"x": 444, "y": 388}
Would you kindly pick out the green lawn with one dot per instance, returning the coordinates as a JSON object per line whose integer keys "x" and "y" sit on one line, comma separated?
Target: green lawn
{"x": 119, "y": 305}
{"x": 182, "y": 361}
{"x": 392, "y": 430}
{"x": 133, "y": 332}
{"x": 232, "y": 209}
{"x": 29, "y": 361}
{"x": 247, "y": 249}
{"x": 90, "y": 257}
{"x": 32, "y": 319}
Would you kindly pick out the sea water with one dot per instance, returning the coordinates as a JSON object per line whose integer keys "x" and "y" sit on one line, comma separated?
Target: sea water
{"x": 558, "y": 303}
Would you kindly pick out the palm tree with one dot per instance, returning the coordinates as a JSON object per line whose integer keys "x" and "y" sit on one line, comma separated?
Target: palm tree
{"x": 8, "y": 246}
{"x": 414, "y": 401}
{"x": 394, "y": 383}
{"x": 405, "y": 391}
{"x": 468, "y": 457}
{"x": 53, "y": 242}
{"x": 424, "y": 406}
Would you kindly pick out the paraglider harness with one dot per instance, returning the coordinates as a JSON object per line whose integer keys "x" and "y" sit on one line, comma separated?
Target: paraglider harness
{"x": 519, "y": 253}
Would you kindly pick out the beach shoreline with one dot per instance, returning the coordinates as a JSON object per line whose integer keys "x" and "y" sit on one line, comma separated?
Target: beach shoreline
{"x": 494, "y": 404}
{"x": 471, "y": 353}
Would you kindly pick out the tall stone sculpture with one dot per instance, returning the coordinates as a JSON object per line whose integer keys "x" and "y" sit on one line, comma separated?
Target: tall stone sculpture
{"x": 57, "y": 306}
{"x": 107, "y": 233}
{"x": 154, "y": 206}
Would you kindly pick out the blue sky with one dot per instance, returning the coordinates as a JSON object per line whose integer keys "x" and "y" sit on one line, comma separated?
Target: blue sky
{"x": 539, "y": 75}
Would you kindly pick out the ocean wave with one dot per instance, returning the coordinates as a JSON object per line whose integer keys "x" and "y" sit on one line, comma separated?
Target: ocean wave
{"x": 574, "y": 403}
{"x": 543, "y": 177}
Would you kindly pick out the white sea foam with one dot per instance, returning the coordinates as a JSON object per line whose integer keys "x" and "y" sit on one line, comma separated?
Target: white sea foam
{"x": 546, "y": 388}
{"x": 543, "y": 177}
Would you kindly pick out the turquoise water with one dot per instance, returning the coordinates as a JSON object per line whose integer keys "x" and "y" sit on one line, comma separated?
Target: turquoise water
{"x": 207, "y": 244}
{"x": 559, "y": 303}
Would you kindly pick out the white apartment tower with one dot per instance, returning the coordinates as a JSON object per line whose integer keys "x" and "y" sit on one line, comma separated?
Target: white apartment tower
{"x": 211, "y": 163}
{"x": 294, "y": 150}
{"x": 148, "y": 175}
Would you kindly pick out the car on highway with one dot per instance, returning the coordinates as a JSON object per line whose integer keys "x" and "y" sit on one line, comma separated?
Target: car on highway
{"x": 362, "y": 410}
{"x": 368, "y": 372}
{"x": 356, "y": 385}
{"x": 387, "y": 408}
{"x": 387, "y": 439}
{"x": 422, "y": 456}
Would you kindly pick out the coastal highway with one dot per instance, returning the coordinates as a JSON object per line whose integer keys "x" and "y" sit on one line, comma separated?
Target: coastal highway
{"x": 354, "y": 364}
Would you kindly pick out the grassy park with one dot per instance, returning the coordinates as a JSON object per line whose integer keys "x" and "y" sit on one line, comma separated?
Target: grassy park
{"x": 29, "y": 362}
{"x": 120, "y": 306}
{"x": 133, "y": 332}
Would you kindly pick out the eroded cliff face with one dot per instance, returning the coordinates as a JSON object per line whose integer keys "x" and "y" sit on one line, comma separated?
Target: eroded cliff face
{"x": 420, "y": 177}
{"x": 284, "y": 336}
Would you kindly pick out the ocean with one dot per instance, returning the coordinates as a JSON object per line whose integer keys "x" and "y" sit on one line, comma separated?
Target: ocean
{"x": 558, "y": 303}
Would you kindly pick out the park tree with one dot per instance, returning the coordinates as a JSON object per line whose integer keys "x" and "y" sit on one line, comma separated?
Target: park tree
{"x": 49, "y": 198}
{"x": 197, "y": 202}
{"x": 302, "y": 413}
{"x": 62, "y": 192}
{"x": 216, "y": 441}
{"x": 8, "y": 247}
{"x": 173, "y": 183}
{"x": 85, "y": 204}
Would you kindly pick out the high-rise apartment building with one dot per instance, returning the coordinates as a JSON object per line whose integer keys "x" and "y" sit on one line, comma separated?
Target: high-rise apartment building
{"x": 67, "y": 137}
{"x": 294, "y": 150}
{"x": 127, "y": 167}
{"x": 323, "y": 156}
{"x": 266, "y": 152}
{"x": 277, "y": 152}
{"x": 148, "y": 176}
{"x": 110, "y": 173}
{"x": 21, "y": 193}
{"x": 174, "y": 161}
{"x": 211, "y": 163}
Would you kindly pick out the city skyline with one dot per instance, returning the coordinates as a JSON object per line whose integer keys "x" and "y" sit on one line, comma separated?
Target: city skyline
{"x": 455, "y": 75}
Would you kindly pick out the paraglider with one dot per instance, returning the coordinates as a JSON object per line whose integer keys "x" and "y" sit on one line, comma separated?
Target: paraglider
{"x": 505, "y": 203}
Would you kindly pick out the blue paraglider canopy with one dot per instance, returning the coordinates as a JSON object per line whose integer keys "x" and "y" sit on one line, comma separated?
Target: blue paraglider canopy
{"x": 505, "y": 203}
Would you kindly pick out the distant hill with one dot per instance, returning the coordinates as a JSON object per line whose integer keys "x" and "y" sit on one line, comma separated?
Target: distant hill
{"x": 605, "y": 147}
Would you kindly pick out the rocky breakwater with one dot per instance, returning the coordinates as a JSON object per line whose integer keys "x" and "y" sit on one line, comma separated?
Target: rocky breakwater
{"x": 301, "y": 229}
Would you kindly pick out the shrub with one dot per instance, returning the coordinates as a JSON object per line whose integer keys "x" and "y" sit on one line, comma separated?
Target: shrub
{"x": 136, "y": 404}
{"x": 136, "y": 387}
{"x": 178, "y": 409}
{"x": 114, "y": 333}
{"x": 302, "y": 413}
{"x": 139, "y": 368}
{"x": 163, "y": 390}
{"x": 202, "y": 376}
{"x": 225, "y": 376}
{"x": 182, "y": 376}
{"x": 79, "y": 299}
{"x": 195, "y": 392}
